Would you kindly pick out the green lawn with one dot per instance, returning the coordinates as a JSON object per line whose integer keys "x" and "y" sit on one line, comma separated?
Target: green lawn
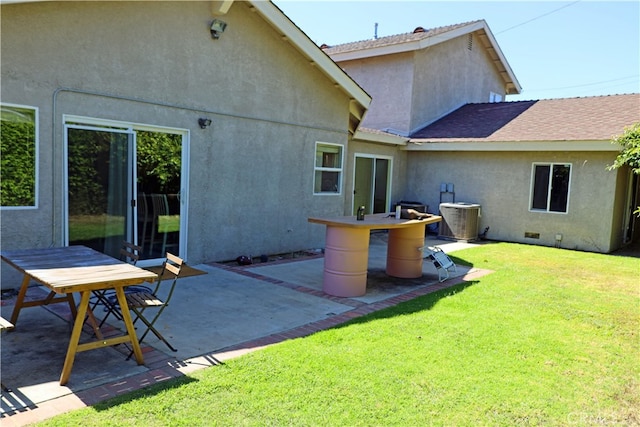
{"x": 549, "y": 338}
{"x": 89, "y": 227}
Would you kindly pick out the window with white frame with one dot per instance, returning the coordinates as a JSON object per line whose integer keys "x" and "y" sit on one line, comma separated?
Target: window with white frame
{"x": 495, "y": 97}
{"x": 18, "y": 156}
{"x": 328, "y": 168}
{"x": 550, "y": 187}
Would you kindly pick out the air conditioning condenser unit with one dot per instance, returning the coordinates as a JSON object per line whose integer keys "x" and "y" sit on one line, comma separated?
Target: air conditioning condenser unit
{"x": 460, "y": 221}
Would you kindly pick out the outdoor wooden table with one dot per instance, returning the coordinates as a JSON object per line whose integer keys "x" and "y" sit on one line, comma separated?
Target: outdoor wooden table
{"x": 77, "y": 269}
{"x": 346, "y": 253}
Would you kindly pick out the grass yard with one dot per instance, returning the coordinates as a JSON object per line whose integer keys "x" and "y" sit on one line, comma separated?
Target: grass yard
{"x": 550, "y": 338}
{"x": 89, "y": 227}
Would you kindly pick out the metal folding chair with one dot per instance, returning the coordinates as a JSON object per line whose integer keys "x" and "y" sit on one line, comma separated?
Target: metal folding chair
{"x": 140, "y": 302}
{"x": 440, "y": 260}
{"x": 129, "y": 253}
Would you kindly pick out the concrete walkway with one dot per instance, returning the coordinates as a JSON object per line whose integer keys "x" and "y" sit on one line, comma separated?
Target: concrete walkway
{"x": 214, "y": 317}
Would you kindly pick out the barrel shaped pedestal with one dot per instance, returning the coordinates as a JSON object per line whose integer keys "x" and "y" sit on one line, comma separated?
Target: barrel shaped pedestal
{"x": 404, "y": 260}
{"x": 346, "y": 255}
{"x": 345, "y": 261}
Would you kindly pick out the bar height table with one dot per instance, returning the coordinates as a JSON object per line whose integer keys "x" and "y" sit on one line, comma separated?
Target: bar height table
{"x": 346, "y": 253}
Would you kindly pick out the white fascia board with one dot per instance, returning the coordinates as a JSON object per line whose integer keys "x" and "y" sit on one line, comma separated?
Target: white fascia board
{"x": 396, "y": 48}
{"x": 380, "y": 138}
{"x": 221, "y": 7}
{"x": 406, "y": 46}
{"x": 376, "y": 51}
{"x": 22, "y": 1}
{"x": 316, "y": 56}
{"x": 418, "y": 145}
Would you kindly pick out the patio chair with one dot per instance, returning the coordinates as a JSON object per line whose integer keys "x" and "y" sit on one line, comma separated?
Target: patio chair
{"x": 440, "y": 260}
{"x": 140, "y": 302}
{"x": 129, "y": 253}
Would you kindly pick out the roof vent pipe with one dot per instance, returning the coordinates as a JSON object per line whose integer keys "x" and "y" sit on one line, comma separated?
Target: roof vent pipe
{"x": 375, "y": 31}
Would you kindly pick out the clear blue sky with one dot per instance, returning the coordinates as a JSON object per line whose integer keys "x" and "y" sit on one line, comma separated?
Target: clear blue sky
{"x": 555, "y": 49}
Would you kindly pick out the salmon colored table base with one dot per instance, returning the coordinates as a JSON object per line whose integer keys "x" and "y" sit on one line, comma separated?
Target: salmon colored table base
{"x": 346, "y": 256}
{"x": 347, "y": 250}
{"x": 404, "y": 260}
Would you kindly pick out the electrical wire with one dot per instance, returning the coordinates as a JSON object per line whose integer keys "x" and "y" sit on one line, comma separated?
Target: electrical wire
{"x": 538, "y": 17}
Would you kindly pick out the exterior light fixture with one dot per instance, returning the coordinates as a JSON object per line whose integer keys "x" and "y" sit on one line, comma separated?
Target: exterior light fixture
{"x": 204, "y": 123}
{"x": 217, "y": 28}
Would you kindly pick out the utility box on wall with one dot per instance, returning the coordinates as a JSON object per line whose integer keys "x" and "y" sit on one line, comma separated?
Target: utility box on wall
{"x": 460, "y": 221}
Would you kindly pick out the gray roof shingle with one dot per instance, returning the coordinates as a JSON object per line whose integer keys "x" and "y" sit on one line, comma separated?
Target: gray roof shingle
{"x": 564, "y": 119}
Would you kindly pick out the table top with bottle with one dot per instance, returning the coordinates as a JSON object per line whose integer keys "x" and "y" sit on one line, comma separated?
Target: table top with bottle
{"x": 378, "y": 221}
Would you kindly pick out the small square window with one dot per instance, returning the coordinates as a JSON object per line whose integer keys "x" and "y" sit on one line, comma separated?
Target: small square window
{"x": 328, "y": 169}
{"x": 550, "y": 187}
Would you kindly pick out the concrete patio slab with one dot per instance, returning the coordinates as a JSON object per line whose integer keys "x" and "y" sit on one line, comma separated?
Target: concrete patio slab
{"x": 33, "y": 355}
{"x": 223, "y": 308}
{"x": 213, "y": 317}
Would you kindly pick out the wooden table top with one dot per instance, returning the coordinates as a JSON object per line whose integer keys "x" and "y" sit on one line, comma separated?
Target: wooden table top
{"x": 75, "y": 269}
{"x": 381, "y": 221}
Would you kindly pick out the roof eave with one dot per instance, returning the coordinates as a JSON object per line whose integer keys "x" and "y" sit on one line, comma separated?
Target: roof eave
{"x": 475, "y": 145}
{"x": 512, "y": 86}
{"x": 359, "y": 99}
{"x": 380, "y": 138}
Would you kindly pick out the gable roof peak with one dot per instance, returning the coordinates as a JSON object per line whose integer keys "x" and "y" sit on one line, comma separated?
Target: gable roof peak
{"x": 419, "y": 33}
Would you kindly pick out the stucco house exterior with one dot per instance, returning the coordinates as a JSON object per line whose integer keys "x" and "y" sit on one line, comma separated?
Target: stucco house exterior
{"x": 225, "y": 112}
{"x": 414, "y": 79}
{"x": 220, "y": 126}
{"x": 437, "y": 119}
{"x": 537, "y": 168}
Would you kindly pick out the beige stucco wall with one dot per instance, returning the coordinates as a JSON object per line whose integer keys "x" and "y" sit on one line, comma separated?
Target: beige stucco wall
{"x": 413, "y": 89}
{"x": 155, "y": 63}
{"x": 389, "y": 80}
{"x": 451, "y": 75}
{"x": 500, "y": 182}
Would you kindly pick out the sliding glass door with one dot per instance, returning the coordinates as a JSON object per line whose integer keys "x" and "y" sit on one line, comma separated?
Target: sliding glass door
{"x": 372, "y": 177}
{"x": 99, "y": 187}
{"x": 123, "y": 184}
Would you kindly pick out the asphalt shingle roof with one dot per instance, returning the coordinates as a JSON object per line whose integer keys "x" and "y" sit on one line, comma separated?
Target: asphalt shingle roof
{"x": 565, "y": 119}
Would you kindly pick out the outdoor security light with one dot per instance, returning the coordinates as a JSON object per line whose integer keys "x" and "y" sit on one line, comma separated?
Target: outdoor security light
{"x": 204, "y": 123}
{"x": 217, "y": 28}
